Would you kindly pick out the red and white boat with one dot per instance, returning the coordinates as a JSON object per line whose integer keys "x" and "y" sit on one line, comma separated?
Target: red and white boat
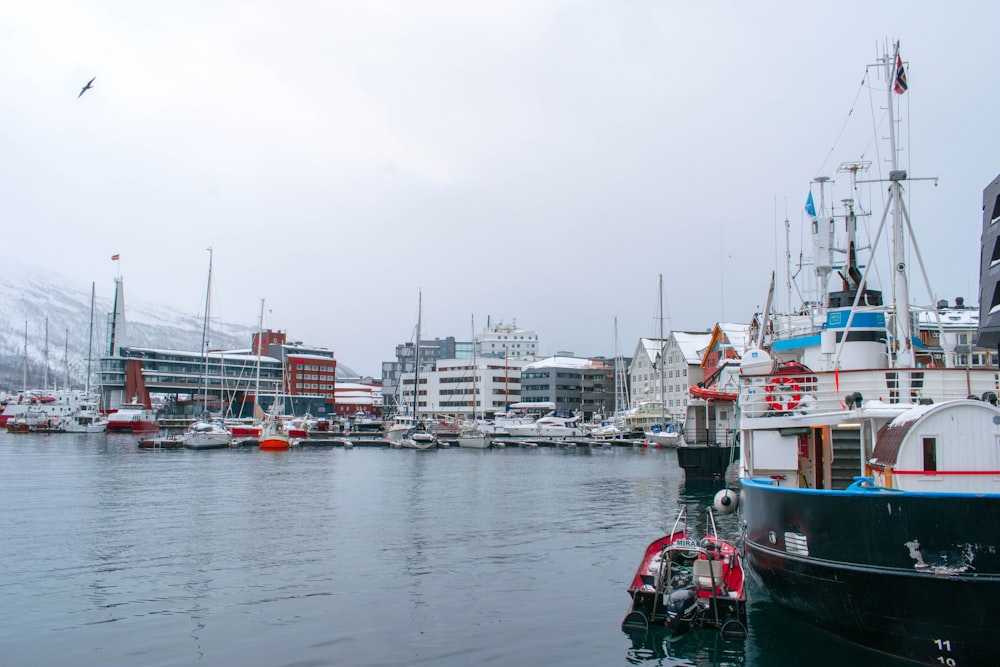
{"x": 243, "y": 429}
{"x": 274, "y": 436}
{"x": 133, "y": 417}
{"x": 43, "y": 405}
{"x": 685, "y": 583}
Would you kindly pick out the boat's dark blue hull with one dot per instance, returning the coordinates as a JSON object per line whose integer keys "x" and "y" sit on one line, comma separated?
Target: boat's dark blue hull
{"x": 705, "y": 461}
{"x": 910, "y": 574}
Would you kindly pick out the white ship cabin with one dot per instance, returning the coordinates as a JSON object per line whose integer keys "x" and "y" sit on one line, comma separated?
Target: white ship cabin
{"x": 819, "y": 429}
{"x": 952, "y": 447}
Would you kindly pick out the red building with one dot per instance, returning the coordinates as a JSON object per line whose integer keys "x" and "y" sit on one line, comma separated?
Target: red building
{"x": 309, "y": 371}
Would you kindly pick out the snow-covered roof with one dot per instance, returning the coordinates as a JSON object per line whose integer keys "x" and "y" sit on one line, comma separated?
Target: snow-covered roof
{"x": 235, "y": 355}
{"x": 356, "y": 386}
{"x": 560, "y": 362}
{"x": 652, "y": 347}
{"x": 303, "y": 355}
{"x": 737, "y": 335}
{"x": 692, "y": 344}
{"x": 950, "y": 319}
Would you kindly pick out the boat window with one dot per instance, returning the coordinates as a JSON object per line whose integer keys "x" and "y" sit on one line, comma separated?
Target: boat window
{"x": 996, "y": 209}
{"x": 930, "y": 454}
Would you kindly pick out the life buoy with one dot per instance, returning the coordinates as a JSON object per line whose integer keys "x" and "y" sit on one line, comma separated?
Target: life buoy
{"x": 783, "y": 393}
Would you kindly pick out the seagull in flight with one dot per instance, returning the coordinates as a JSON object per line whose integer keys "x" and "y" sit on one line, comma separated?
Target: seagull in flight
{"x": 86, "y": 88}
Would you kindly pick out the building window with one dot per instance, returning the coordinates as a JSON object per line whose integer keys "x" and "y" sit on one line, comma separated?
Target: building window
{"x": 930, "y": 454}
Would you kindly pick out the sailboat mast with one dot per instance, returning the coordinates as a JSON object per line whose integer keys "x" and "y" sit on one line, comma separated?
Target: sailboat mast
{"x": 475, "y": 368}
{"x": 24, "y": 370}
{"x": 900, "y": 292}
{"x": 416, "y": 358}
{"x": 204, "y": 336}
{"x": 663, "y": 396}
{"x": 260, "y": 335}
{"x": 45, "y": 382}
{"x": 66, "y": 358}
{"x": 90, "y": 341}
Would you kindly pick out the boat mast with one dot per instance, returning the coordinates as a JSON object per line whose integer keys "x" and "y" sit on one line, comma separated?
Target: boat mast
{"x": 663, "y": 393}
{"x": 260, "y": 335}
{"x": 66, "y": 357}
{"x": 204, "y": 337}
{"x": 24, "y": 370}
{"x": 475, "y": 369}
{"x": 416, "y": 358}
{"x": 45, "y": 382}
{"x": 90, "y": 341}
{"x": 900, "y": 292}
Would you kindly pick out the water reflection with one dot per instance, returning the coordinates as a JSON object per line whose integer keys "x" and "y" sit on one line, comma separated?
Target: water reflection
{"x": 698, "y": 647}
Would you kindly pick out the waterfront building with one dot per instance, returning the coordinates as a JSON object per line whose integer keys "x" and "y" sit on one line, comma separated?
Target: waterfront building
{"x": 406, "y": 354}
{"x": 225, "y": 380}
{"x": 643, "y": 372}
{"x": 453, "y": 386}
{"x": 361, "y": 397}
{"x": 507, "y": 341}
{"x": 682, "y": 357}
{"x": 496, "y": 341}
{"x": 571, "y": 383}
{"x": 958, "y": 346}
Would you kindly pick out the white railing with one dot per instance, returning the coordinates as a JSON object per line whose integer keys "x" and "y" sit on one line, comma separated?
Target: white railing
{"x": 804, "y": 393}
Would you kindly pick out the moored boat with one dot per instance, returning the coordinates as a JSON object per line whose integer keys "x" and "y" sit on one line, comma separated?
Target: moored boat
{"x": 870, "y": 480}
{"x": 133, "y": 417}
{"x": 684, "y": 582}
{"x": 207, "y": 434}
{"x": 274, "y": 435}
{"x": 554, "y": 424}
{"x": 44, "y": 405}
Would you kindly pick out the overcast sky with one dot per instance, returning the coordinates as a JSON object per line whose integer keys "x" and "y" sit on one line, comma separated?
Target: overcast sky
{"x": 533, "y": 161}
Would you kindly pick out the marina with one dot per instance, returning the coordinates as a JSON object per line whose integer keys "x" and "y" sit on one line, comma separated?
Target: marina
{"x": 120, "y": 556}
{"x": 798, "y": 463}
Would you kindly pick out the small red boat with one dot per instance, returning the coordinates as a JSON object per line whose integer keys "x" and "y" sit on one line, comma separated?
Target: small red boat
{"x": 685, "y": 583}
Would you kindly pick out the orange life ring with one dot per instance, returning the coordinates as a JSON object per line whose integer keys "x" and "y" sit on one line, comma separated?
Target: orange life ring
{"x": 783, "y": 393}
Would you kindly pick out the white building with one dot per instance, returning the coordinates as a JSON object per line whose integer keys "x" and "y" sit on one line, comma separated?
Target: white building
{"x": 507, "y": 340}
{"x": 682, "y": 356}
{"x": 960, "y": 326}
{"x": 456, "y": 385}
{"x": 644, "y": 377}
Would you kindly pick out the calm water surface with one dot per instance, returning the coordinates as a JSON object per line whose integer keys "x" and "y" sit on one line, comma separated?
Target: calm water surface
{"x": 116, "y": 556}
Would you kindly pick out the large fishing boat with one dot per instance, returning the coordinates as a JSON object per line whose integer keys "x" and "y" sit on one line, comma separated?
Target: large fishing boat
{"x": 50, "y": 405}
{"x": 870, "y": 471}
{"x": 134, "y": 417}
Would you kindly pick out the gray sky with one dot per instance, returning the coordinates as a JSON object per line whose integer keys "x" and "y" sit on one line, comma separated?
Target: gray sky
{"x": 537, "y": 161}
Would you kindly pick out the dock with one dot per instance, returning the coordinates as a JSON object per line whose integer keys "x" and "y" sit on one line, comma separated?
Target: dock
{"x": 160, "y": 443}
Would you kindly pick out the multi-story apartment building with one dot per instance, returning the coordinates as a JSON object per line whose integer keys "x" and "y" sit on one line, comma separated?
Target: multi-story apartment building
{"x": 507, "y": 341}
{"x": 456, "y": 387}
{"x": 571, "y": 383}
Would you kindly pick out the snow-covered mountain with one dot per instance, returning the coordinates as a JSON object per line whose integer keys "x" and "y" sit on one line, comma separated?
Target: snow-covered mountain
{"x": 33, "y": 298}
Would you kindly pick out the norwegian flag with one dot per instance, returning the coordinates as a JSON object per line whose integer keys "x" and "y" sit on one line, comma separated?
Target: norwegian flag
{"x": 900, "y": 84}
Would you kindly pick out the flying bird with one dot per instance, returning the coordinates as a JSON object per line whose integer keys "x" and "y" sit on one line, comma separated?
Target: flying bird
{"x": 86, "y": 88}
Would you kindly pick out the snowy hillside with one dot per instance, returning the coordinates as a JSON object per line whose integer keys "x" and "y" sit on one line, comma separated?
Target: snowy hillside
{"x": 30, "y": 297}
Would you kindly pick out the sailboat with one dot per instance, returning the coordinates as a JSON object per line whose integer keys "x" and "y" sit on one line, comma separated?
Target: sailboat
{"x": 247, "y": 428}
{"x": 663, "y": 432}
{"x": 418, "y": 437}
{"x": 206, "y": 432}
{"x": 474, "y": 437}
{"x": 869, "y": 486}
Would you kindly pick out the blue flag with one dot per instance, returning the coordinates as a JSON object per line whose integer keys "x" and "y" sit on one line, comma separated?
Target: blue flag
{"x": 810, "y": 209}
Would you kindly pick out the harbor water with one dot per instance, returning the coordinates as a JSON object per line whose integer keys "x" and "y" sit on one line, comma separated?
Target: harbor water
{"x": 114, "y": 555}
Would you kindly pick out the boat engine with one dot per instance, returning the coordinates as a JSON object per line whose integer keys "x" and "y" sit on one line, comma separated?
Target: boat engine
{"x": 681, "y": 607}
